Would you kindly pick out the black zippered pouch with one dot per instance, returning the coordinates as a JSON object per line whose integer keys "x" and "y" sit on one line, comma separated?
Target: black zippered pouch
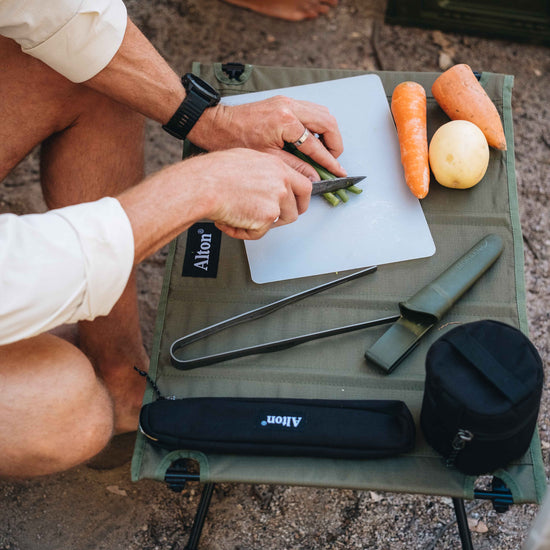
{"x": 482, "y": 396}
{"x": 280, "y": 427}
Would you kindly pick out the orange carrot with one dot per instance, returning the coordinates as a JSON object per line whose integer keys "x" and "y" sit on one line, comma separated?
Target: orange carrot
{"x": 408, "y": 106}
{"x": 462, "y": 97}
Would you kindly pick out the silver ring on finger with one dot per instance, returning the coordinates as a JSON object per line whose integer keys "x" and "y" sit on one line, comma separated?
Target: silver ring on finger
{"x": 302, "y": 139}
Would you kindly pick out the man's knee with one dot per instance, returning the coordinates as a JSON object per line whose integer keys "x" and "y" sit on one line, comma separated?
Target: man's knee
{"x": 55, "y": 412}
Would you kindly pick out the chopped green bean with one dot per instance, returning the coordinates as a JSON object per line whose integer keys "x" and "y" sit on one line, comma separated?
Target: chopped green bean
{"x": 331, "y": 198}
{"x": 324, "y": 174}
{"x": 342, "y": 195}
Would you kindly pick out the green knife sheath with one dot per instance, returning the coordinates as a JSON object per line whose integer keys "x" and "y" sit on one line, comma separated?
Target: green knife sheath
{"x": 423, "y": 310}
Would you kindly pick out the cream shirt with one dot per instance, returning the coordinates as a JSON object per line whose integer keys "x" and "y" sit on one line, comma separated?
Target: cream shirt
{"x": 63, "y": 266}
{"x": 76, "y": 38}
{"x": 72, "y": 263}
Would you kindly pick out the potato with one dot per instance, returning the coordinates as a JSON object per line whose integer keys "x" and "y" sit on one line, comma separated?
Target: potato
{"x": 458, "y": 154}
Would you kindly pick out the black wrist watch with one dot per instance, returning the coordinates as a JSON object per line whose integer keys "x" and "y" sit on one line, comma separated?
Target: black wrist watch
{"x": 199, "y": 95}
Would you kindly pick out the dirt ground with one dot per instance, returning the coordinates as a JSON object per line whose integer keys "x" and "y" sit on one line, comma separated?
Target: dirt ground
{"x": 88, "y": 509}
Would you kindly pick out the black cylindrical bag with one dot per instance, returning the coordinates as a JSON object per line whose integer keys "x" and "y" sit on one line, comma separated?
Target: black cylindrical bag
{"x": 482, "y": 396}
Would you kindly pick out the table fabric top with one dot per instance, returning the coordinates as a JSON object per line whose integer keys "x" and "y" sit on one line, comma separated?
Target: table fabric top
{"x": 335, "y": 368}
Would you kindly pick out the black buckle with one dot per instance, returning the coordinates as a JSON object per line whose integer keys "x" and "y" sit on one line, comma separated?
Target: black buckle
{"x": 233, "y": 70}
{"x": 499, "y": 495}
{"x": 180, "y": 472}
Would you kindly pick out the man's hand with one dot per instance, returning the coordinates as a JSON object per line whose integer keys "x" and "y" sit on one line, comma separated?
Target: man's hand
{"x": 257, "y": 192}
{"x": 244, "y": 192}
{"x": 139, "y": 77}
{"x": 267, "y": 125}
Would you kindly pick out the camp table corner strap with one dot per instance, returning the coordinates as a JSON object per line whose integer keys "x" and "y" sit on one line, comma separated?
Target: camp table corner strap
{"x": 335, "y": 368}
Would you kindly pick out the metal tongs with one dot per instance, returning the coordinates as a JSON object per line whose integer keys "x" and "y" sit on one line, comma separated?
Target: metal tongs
{"x": 267, "y": 347}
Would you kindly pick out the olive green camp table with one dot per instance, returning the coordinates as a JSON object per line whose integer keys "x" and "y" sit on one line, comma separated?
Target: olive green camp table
{"x": 335, "y": 367}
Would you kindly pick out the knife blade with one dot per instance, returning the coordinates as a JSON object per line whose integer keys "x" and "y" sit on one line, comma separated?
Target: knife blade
{"x": 326, "y": 186}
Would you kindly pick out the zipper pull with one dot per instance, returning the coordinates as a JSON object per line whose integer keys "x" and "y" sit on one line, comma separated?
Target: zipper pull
{"x": 461, "y": 438}
{"x": 154, "y": 385}
{"x": 459, "y": 442}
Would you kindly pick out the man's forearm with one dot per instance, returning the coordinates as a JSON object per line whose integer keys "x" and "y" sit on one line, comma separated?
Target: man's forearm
{"x": 139, "y": 77}
{"x": 94, "y": 43}
{"x": 222, "y": 187}
{"x": 161, "y": 207}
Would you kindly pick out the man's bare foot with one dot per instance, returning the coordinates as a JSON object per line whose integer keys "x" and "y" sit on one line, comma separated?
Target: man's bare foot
{"x": 291, "y": 10}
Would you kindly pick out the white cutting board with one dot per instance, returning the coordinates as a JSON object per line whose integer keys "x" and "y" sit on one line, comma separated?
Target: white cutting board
{"x": 384, "y": 224}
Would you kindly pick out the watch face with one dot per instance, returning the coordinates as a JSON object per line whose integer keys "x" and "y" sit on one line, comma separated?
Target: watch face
{"x": 196, "y": 84}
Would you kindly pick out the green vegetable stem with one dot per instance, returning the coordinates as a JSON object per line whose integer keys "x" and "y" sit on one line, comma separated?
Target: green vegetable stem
{"x": 333, "y": 198}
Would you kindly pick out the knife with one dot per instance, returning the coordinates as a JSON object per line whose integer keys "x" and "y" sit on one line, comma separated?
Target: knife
{"x": 326, "y": 186}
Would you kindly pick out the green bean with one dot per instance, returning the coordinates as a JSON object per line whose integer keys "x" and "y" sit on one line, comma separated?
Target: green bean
{"x": 339, "y": 195}
{"x": 331, "y": 198}
{"x": 342, "y": 195}
{"x": 324, "y": 174}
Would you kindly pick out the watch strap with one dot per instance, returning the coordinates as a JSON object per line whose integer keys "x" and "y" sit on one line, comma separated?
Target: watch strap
{"x": 186, "y": 116}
